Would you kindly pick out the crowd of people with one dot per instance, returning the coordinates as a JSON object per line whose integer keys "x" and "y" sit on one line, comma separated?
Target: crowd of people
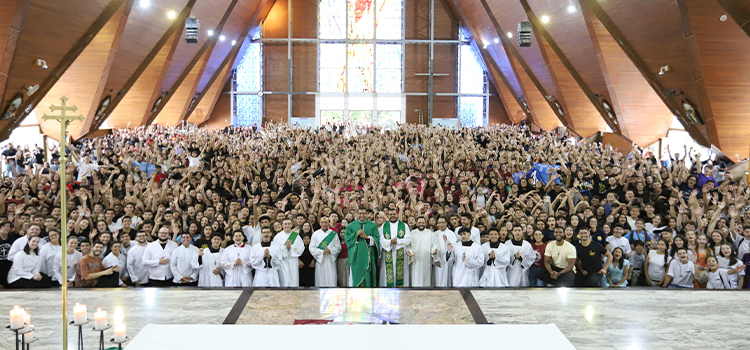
{"x": 413, "y": 206}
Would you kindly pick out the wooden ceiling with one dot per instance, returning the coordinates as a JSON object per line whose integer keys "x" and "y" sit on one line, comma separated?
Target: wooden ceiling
{"x": 589, "y": 51}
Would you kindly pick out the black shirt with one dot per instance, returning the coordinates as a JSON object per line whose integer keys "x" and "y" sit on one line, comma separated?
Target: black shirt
{"x": 591, "y": 256}
{"x": 5, "y": 245}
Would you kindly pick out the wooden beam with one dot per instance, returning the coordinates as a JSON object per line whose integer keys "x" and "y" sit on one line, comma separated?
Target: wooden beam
{"x": 738, "y": 12}
{"x": 15, "y": 19}
{"x": 512, "y": 50}
{"x": 67, "y": 60}
{"x": 206, "y": 46}
{"x": 568, "y": 65}
{"x": 177, "y": 24}
{"x": 673, "y": 105}
{"x": 231, "y": 56}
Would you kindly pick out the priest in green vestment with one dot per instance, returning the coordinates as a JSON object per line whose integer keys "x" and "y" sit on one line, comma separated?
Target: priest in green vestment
{"x": 362, "y": 241}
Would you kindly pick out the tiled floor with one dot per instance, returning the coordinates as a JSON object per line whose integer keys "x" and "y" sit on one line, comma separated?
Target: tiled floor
{"x": 590, "y": 319}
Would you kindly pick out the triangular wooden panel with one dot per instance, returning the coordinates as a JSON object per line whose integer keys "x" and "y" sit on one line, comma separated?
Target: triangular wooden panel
{"x": 643, "y": 112}
{"x": 541, "y": 111}
{"x": 137, "y": 103}
{"x": 83, "y": 82}
{"x": 577, "y": 105}
{"x": 178, "y": 104}
{"x": 207, "y": 103}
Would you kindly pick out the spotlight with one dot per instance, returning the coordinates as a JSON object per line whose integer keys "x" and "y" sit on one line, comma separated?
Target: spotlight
{"x": 210, "y": 32}
{"x": 510, "y": 35}
{"x": 234, "y": 42}
{"x": 222, "y": 38}
{"x": 664, "y": 69}
{"x": 41, "y": 63}
{"x": 145, "y": 3}
{"x": 497, "y": 40}
{"x": 571, "y": 9}
{"x": 545, "y": 19}
{"x": 485, "y": 45}
{"x": 171, "y": 15}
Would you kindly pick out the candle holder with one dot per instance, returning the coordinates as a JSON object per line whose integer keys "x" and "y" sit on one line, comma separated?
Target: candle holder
{"x": 22, "y": 332}
{"x": 101, "y": 335}
{"x": 16, "y": 331}
{"x": 119, "y": 344}
{"x": 80, "y": 332}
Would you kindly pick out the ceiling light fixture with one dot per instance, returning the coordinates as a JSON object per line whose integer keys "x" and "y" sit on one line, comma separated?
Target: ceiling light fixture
{"x": 210, "y": 32}
{"x": 510, "y": 35}
{"x": 497, "y": 40}
{"x": 571, "y": 9}
{"x": 545, "y": 19}
{"x": 171, "y": 15}
{"x": 234, "y": 42}
{"x": 145, "y": 3}
{"x": 222, "y": 38}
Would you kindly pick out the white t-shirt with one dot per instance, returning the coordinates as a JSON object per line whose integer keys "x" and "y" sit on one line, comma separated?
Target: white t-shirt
{"x": 85, "y": 170}
{"x": 682, "y": 274}
{"x": 621, "y": 242}
{"x": 656, "y": 267}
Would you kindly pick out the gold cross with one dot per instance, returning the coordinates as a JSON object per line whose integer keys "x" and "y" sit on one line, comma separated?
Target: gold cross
{"x": 62, "y": 118}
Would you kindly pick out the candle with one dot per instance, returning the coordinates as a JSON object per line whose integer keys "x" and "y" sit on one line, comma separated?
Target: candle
{"x": 100, "y": 319}
{"x": 26, "y": 319}
{"x": 120, "y": 333}
{"x": 79, "y": 314}
{"x": 16, "y": 318}
{"x": 29, "y": 337}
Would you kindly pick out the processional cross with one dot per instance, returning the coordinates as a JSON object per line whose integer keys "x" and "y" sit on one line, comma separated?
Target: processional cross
{"x": 64, "y": 121}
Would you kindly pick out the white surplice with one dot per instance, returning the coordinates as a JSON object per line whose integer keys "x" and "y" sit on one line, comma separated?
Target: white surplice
{"x": 325, "y": 264}
{"x": 266, "y": 276}
{"x": 518, "y": 271}
{"x": 47, "y": 253}
{"x": 237, "y": 275}
{"x": 444, "y": 272}
{"x": 289, "y": 269}
{"x": 466, "y": 271}
{"x": 184, "y": 263}
{"x": 423, "y": 243}
{"x": 209, "y": 262}
{"x": 386, "y": 246}
{"x": 495, "y": 272}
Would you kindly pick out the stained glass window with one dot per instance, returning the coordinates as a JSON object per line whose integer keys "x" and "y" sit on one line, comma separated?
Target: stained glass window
{"x": 333, "y": 67}
{"x": 249, "y": 108}
{"x": 361, "y": 19}
{"x": 388, "y": 68}
{"x": 360, "y": 67}
{"x": 470, "y": 82}
{"x": 389, "y": 19}
{"x": 332, "y": 19}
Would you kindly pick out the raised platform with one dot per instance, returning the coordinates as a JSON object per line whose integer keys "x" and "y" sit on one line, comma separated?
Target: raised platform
{"x": 348, "y": 337}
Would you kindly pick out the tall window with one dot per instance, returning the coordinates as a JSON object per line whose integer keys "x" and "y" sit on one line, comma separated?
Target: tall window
{"x": 472, "y": 100}
{"x": 247, "y": 100}
{"x": 360, "y": 60}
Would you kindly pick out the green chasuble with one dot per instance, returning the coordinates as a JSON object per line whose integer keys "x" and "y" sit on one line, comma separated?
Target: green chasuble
{"x": 399, "y": 280}
{"x": 363, "y": 259}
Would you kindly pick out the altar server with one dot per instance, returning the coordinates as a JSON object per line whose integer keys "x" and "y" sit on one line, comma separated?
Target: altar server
{"x": 466, "y": 257}
{"x": 266, "y": 260}
{"x": 522, "y": 256}
{"x": 325, "y": 247}
{"x": 498, "y": 259}
{"x": 209, "y": 259}
{"x": 184, "y": 262}
{"x": 235, "y": 260}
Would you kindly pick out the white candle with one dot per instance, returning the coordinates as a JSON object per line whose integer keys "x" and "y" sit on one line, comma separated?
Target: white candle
{"x": 28, "y": 337}
{"x": 100, "y": 319}
{"x": 26, "y": 319}
{"x": 79, "y": 314}
{"x": 16, "y": 318}
{"x": 120, "y": 333}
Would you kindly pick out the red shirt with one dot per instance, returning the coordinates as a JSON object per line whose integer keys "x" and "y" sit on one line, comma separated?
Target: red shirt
{"x": 539, "y": 250}
{"x": 159, "y": 177}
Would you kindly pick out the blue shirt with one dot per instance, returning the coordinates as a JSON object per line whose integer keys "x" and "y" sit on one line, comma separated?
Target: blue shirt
{"x": 642, "y": 236}
{"x": 147, "y": 167}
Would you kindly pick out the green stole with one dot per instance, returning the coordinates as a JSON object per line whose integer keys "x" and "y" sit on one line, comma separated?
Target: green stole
{"x": 326, "y": 241}
{"x": 292, "y": 237}
{"x": 399, "y": 256}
